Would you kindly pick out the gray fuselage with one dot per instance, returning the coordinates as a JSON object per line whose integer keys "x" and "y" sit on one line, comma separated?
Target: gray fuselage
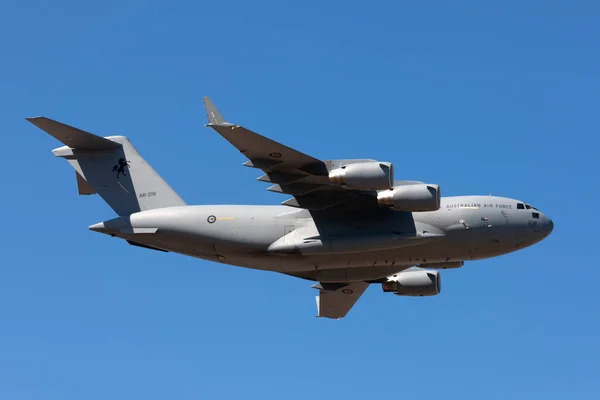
{"x": 337, "y": 246}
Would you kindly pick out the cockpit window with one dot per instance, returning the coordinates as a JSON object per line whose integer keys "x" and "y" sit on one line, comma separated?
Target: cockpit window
{"x": 535, "y": 215}
{"x": 527, "y": 206}
{"x": 520, "y": 206}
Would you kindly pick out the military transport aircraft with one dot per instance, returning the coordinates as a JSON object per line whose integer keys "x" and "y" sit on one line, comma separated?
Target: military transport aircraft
{"x": 348, "y": 224}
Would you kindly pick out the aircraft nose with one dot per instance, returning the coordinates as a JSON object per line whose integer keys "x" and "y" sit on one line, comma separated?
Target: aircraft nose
{"x": 548, "y": 226}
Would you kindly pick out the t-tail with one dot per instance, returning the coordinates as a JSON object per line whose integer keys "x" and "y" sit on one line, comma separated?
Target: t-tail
{"x": 111, "y": 167}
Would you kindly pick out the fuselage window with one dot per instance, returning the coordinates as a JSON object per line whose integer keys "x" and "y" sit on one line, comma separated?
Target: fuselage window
{"x": 520, "y": 206}
{"x": 535, "y": 215}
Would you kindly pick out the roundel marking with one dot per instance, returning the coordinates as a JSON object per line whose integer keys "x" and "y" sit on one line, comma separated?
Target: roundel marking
{"x": 275, "y": 154}
{"x": 211, "y": 219}
{"x": 347, "y": 291}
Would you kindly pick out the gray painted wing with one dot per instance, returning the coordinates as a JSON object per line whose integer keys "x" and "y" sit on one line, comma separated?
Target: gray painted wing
{"x": 71, "y": 136}
{"x": 335, "y": 300}
{"x": 291, "y": 171}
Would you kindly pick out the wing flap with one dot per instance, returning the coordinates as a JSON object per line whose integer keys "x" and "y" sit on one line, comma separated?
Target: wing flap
{"x": 294, "y": 188}
{"x": 265, "y": 165}
{"x": 281, "y": 177}
{"x": 312, "y": 202}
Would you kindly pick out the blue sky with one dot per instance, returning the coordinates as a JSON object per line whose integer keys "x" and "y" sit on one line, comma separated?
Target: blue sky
{"x": 481, "y": 97}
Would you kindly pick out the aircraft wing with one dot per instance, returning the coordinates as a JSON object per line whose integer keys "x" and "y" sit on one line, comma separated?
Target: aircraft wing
{"x": 336, "y": 299}
{"x": 290, "y": 171}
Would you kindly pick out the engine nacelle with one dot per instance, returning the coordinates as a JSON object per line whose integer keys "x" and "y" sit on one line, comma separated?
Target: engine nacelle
{"x": 364, "y": 176}
{"x": 418, "y": 197}
{"x": 414, "y": 283}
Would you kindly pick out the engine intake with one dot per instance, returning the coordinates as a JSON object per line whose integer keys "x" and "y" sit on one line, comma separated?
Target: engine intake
{"x": 364, "y": 176}
{"x": 419, "y": 197}
{"x": 414, "y": 283}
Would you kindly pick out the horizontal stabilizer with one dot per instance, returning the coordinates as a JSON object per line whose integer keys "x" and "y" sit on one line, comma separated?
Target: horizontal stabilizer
{"x": 111, "y": 167}
{"x": 73, "y": 137}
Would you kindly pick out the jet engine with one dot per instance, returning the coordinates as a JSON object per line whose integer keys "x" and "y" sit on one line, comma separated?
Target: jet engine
{"x": 414, "y": 283}
{"x": 364, "y": 176}
{"x": 418, "y": 197}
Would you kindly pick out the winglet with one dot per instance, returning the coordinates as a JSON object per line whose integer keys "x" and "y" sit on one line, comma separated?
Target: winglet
{"x": 214, "y": 116}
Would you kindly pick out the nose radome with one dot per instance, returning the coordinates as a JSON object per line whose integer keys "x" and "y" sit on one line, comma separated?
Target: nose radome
{"x": 548, "y": 225}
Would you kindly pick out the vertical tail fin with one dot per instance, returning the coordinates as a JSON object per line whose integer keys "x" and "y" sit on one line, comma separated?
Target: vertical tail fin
{"x": 112, "y": 168}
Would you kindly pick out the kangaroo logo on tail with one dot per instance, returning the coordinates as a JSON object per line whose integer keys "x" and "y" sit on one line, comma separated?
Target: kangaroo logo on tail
{"x": 120, "y": 167}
